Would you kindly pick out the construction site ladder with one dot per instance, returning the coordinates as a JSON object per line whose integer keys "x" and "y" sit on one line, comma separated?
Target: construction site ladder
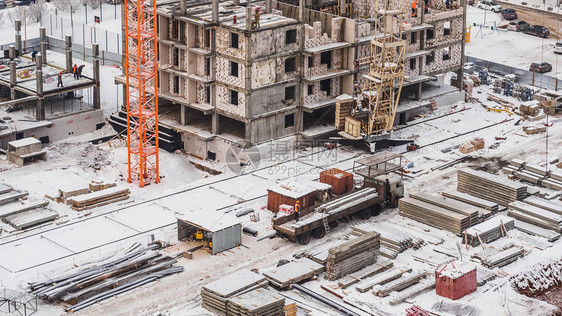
{"x": 325, "y": 221}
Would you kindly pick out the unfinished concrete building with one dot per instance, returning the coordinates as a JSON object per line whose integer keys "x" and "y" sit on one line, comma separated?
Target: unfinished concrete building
{"x": 226, "y": 80}
{"x": 33, "y": 104}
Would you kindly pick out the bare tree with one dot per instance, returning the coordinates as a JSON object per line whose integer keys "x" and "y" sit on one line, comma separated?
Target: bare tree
{"x": 34, "y": 11}
{"x": 16, "y": 14}
{"x": 67, "y": 5}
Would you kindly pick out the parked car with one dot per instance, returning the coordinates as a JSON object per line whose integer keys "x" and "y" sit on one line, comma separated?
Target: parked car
{"x": 540, "y": 68}
{"x": 517, "y": 25}
{"x": 3, "y": 4}
{"x": 25, "y": 2}
{"x": 558, "y": 47}
{"x": 509, "y": 14}
{"x": 489, "y": 5}
{"x": 537, "y": 30}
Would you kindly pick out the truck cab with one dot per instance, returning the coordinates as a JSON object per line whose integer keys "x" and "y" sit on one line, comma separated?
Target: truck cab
{"x": 389, "y": 187}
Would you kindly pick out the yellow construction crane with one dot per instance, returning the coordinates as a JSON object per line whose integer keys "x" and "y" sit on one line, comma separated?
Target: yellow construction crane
{"x": 375, "y": 110}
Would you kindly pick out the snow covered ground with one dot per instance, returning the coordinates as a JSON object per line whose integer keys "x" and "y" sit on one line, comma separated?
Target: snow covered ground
{"x": 510, "y": 48}
{"x": 74, "y": 162}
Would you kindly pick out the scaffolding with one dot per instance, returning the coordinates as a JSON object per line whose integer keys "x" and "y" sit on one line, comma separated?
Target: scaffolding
{"x": 18, "y": 303}
{"x": 383, "y": 84}
{"x": 142, "y": 92}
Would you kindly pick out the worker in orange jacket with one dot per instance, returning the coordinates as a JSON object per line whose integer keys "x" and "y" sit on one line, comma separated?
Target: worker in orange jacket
{"x": 415, "y": 9}
{"x": 297, "y": 209}
{"x": 75, "y": 71}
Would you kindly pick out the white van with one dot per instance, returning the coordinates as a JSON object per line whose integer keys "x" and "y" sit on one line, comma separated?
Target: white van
{"x": 558, "y": 47}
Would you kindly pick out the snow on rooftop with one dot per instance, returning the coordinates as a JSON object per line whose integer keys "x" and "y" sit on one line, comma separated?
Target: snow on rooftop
{"x": 209, "y": 220}
{"x": 297, "y": 188}
{"x": 455, "y": 269}
{"x": 24, "y": 142}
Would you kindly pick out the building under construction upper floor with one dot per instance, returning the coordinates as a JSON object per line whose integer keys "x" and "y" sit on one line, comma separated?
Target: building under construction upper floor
{"x": 230, "y": 76}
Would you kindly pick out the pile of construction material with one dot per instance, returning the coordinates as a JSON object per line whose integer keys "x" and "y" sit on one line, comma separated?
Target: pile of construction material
{"x": 216, "y": 294}
{"x": 382, "y": 278}
{"x": 260, "y": 302}
{"x": 535, "y": 174}
{"x": 21, "y": 213}
{"x": 97, "y": 193}
{"x": 24, "y": 151}
{"x": 293, "y": 272}
{"x": 488, "y": 231}
{"x": 503, "y": 257}
{"x": 434, "y": 215}
{"x": 353, "y": 255}
{"x": 535, "y": 215}
{"x": 401, "y": 280}
{"x": 364, "y": 273}
{"x": 491, "y": 207}
{"x": 99, "y": 281}
{"x": 490, "y": 187}
{"x": 473, "y": 145}
{"x": 474, "y": 214}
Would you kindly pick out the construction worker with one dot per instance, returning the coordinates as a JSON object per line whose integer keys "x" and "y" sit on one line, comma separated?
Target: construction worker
{"x": 257, "y": 17}
{"x": 425, "y": 7}
{"x": 415, "y": 9}
{"x": 59, "y": 77}
{"x": 80, "y": 70}
{"x": 447, "y": 4}
{"x": 75, "y": 71}
{"x": 297, "y": 209}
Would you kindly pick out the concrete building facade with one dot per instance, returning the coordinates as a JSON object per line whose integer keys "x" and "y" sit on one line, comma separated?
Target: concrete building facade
{"x": 225, "y": 79}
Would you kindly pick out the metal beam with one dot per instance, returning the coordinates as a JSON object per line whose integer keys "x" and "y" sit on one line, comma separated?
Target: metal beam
{"x": 16, "y": 101}
{"x": 324, "y": 300}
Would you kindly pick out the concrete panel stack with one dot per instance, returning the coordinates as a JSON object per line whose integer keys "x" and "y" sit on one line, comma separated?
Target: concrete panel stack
{"x": 472, "y": 200}
{"x": 25, "y": 150}
{"x": 433, "y": 215}
{"x": 216, "y": 294}
{"x": 258, "y": 302}
{"x": 535, "y": 215}
{"x": 490, "y": 230}
{"x": 503, "y": 258}
{"x": 490, "y": 187}
{"x": 450, "y": 204}
{"x": 353, "y": 255}
{"x": 534, "y": 174}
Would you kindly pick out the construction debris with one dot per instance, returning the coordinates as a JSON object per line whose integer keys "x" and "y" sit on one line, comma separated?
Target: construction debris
{"x": 488, "y": 231}
{"x": 129, "y": 269}
{"x": 352, "y": 256}
{"x": 490, "y": 187}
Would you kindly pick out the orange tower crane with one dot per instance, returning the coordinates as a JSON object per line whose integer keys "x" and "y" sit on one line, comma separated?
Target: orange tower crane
{"x": 141, "y": 69}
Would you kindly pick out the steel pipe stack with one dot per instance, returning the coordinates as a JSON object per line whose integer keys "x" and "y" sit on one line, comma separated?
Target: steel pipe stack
{"x": 490, "y": 187}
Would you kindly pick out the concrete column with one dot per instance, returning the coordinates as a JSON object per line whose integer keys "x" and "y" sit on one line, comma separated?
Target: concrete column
{"x": 39, "y": 80}
{"x": 183, "y": 6}
{"x": 43, "y": 36}
{"x": 215, "y": 9}
{"x": 460, "y": 72}
{"x": 248, "y": 18}
{"x": 343, "y": 7}
{"x": 13, "y": 78}
{"x": 301, "y": 11}
{"x": 95, "y": 53}
{"x": 68, "y": 46}
{"x": 18, "y": 36}
{"x": 418, "y": 91}
{"x": 215, "y": 123}
{"x": 268, "y": 6}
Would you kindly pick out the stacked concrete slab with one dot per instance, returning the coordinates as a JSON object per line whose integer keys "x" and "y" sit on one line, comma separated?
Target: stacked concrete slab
{"x": 535, "y": 174}
{"x": 25, "y": 150}
{"x": 216, "y": 294}
{"x": 352, "y": 256}
{"x": 490, "y": 187}
{"x": 434, "y": 215}
{"x": 258, "y": 302}
{"x": 488, "y": 231}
